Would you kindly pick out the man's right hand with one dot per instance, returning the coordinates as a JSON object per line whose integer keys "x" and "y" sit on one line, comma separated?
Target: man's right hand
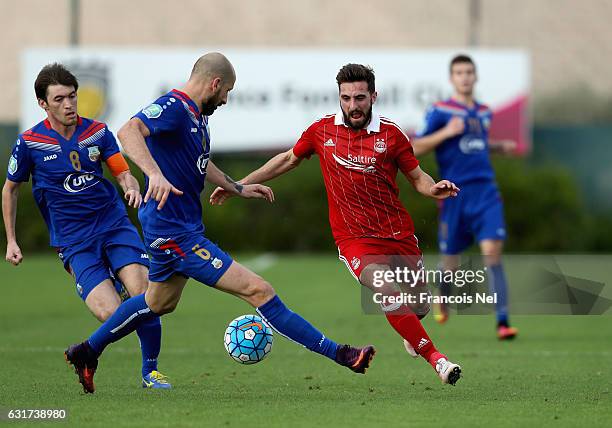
{"x": 219, "y": 196}
{"x": 13, "y": 253}
{"x": 455, "y": 126}
{"x": 159, "y": 189}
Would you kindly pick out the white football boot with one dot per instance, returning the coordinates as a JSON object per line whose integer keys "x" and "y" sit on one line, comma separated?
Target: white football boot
{"x": 447, "y": 371}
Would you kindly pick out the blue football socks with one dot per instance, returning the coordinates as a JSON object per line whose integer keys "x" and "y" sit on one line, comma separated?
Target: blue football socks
{"x": 292, "y": 326}
{"x": 134, "y": 313}
{"x": 498, "y": 285}
{"x": 129, "y": 316}
{"x": 149, "y": 334}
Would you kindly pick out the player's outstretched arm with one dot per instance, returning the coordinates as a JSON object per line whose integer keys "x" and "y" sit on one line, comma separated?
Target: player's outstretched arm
{"x": 278, "y": 165}
{"x": 225, "y": 182}
{"x": 10, "y": 193}
{"x": 426, "y": 144}
{"x": 425, "y": 185}
{"x": 132, "y": 136}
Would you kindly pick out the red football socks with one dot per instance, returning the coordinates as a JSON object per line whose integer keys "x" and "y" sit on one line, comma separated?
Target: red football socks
{"x": 408, "y": 325}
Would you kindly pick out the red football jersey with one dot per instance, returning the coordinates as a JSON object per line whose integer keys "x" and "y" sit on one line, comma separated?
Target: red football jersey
{"x": 359, "y": 168}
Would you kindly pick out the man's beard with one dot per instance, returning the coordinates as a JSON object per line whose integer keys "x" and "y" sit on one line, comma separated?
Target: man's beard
{"x": 208, "y": 108}
{"x": 211, "y": 105}
{"x": 366, "y": 119}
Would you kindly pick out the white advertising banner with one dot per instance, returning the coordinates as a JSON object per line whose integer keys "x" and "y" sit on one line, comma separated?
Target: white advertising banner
{"x": 279, "y": 92}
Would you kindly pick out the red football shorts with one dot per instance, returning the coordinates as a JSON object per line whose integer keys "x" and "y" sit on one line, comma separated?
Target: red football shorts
{"x": 357, "y": 253}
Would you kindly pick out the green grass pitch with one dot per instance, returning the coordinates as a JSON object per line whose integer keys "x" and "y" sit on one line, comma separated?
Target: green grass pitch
{"x": 557, "y": 373}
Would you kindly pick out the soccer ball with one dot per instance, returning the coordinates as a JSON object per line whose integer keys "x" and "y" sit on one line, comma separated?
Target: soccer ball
{"x": 248, "y": 339}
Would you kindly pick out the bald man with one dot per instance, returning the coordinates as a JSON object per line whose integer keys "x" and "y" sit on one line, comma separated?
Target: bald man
{"x": 170, "y": 143}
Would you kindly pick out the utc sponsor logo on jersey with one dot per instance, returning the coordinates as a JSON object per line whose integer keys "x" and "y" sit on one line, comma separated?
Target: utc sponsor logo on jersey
{"x": 471, "y": 145}
{"x": 77, "y": 182}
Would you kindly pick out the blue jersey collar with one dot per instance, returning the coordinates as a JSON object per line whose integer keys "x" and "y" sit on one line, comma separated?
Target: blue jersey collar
{"x": 184, "y": 97}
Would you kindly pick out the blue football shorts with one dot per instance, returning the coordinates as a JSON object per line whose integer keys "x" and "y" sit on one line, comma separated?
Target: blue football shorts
{"x": 477, "y": 212}
{"x": 189, "y": 255}
{"x": 102, "y": 256}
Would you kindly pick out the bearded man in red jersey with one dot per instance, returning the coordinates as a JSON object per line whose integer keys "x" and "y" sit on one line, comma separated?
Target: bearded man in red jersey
{"x": 360, "y": 153}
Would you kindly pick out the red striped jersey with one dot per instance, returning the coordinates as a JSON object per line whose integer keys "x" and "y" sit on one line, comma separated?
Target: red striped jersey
{"x": 359, "y": 169}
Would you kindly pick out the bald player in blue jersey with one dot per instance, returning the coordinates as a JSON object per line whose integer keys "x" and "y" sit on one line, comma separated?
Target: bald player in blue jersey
{"x": 170, "y": 141}
{"x": 87, "y": 221}
{"x": 457, "y": 130}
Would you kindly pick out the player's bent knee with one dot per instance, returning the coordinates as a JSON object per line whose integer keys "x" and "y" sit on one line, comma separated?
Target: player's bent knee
{"x": 258, "y": 291}
{"x": 103, "y": 313}
{"x": 161, "y": 304}
{"x": 491, "y": 251}
{"x": 163, "y": 307}
{"x": 492, "y": 259}
{"x": 101, "y": 308}
{"x": 372, "y": 276}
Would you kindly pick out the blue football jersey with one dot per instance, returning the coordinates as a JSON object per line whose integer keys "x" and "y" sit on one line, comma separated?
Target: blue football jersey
{"x": 180, "y": 144}
{"x": 465, "y": 157}
{"x": 68, "y": 182}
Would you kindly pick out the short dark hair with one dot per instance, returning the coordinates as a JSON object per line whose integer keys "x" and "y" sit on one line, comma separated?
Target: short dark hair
{"x": 461, "y": 59}
{"x": 53, "y": 74}
{"x": 356, "y": 73}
